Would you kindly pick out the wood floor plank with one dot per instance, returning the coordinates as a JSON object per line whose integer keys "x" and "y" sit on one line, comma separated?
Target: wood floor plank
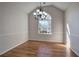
{"x": 39, "y": 49}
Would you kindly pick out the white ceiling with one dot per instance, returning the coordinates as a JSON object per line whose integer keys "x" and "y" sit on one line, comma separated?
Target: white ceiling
{"x": 60, "y": 5}
{"x": 29, "y": 6}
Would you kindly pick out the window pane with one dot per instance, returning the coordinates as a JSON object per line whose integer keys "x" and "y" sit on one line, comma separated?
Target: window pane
{"x": 44, "y": 26}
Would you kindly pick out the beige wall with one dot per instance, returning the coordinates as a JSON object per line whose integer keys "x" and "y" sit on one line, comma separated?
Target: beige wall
{"x": 57, "y": 26}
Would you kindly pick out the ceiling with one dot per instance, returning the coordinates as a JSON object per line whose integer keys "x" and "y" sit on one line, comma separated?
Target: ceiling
{"x": 61, "y": 5}
{"x": 29, "y": 6}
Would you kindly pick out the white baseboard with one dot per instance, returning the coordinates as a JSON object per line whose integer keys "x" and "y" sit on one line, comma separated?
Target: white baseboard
{"x": 47, "y": 40}
{"x": 12, "y": 40}
{"x": 74, "y": 51}
{"x": 12, "y": 47}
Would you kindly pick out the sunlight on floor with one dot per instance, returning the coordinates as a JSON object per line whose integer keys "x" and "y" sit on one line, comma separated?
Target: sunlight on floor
{"x": 44, "y": 51}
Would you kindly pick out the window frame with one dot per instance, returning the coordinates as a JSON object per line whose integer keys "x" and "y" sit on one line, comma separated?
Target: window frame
{"x": 49, "y": 21}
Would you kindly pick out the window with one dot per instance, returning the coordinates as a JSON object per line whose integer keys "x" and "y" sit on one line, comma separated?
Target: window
{"x": 44, "y": 21}
{"x": 44, "y": 26}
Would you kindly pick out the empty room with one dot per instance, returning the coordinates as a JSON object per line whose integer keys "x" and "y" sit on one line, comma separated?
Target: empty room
{"x": 39, "y": 29}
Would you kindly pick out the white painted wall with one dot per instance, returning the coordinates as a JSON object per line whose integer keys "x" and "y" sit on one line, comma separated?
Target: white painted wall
{"x": 72, "y": 18}
{"x": 13, "y": 25}
{"x": 56, "y": 25}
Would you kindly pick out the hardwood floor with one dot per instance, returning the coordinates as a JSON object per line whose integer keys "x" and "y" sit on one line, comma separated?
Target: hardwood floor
{"x": 39, "y": 49}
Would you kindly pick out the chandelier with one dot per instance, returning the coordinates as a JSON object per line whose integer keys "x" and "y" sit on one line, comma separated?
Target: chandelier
{"x": 40, "y": 14}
